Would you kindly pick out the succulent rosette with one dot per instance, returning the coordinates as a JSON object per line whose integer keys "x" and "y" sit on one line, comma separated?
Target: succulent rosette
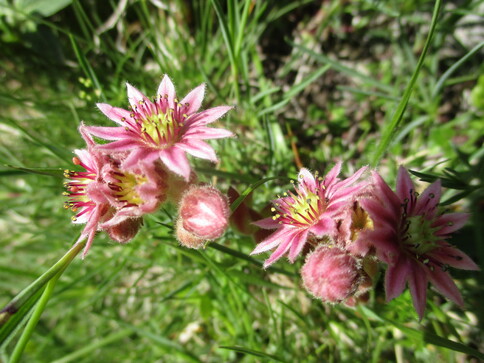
{"x": 312, "y": 211}
{"x": 162, "y": 129}
{"x": 410, "y": 235}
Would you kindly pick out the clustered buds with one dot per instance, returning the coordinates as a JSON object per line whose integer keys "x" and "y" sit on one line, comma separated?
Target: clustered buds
{"x": 146, "y": 166}
{"x": 346, "y": 228}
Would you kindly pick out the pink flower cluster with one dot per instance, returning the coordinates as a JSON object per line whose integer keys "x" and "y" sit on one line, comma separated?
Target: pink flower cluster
{"x": 346, "y": 227}
{"x": 146, "y": 165}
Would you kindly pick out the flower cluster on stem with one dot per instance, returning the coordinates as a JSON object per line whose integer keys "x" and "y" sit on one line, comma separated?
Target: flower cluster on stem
{"x": 347, "y": 227}
{"x": 145, "y": 165}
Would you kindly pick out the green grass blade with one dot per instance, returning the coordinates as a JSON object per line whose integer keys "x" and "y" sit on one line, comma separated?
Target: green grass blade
{"x": 254, "y": 353}
{"x": 454, "y": 67}
{"x": 74, "y": 356}
{"x": 388, "y": 131}
{"x": 250, "y": 189}
{"x": 14, "y": 306}
{"x": 34, "y": 319}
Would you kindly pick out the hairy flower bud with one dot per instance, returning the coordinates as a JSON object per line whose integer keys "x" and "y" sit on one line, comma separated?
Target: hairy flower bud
{"x": 331, "y": 274}
{"x": 125, "y": 231}
{"x": 203, "y": 216}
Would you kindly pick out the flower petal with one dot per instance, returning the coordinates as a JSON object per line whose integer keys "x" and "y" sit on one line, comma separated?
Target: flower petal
{"x": 297, "y": 244}
{"x": 208, "y": 116}
{"x": 108, "y": 133}
{"x": 307, "y": 179}
{"x": 118, "y": 146}
{"x": 193, "y": 100}
{"x": 282, "y": 249}
{"x": 451, "y": 256}
{"x": 273, "y": 240}
{"x": 199, "y": 149}
{"x": 167, "y": 89}
{"x": 445, "y": 285}
{"x": 135, "y": 97}
{"x": 450, "y": 222}
{"x": 267, "y": 223}
{"x": 385, "y": 194}
{"x": 348, "y": 181}
{"x": 428, "y": 201}
{"x": 140, "y": 155}
{"x": 417, "y": 283}
{"x": 324, "y": 227}
{"x": 405, "y": 187}
{"x": 202, "y": 132}
{"x": 396, "y": 278}
{"x": 176, "y": 161}
{"x": 116, "y": 114}
{"x": 332, "y": 175}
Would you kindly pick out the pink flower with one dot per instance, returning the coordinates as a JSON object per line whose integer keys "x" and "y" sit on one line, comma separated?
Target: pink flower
{"x": 163, "y": 129}
{"x": 108, "y": 198}
{"x": 410, "y": 236}
{"x": 331, "y": 274}
{"x": 87, "y": 191}
{"x": 203, "y": 216}
{"x": 311, "y": 212}
{"x": 133, "y": 193}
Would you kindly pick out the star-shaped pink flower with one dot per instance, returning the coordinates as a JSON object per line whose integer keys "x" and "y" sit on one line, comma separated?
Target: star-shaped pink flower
{"x": 410, "y": 235}
{"x": 163, "y": 128}
{"x": 311, "y": 211}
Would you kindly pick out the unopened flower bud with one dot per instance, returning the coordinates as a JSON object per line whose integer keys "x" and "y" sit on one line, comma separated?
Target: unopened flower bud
{"x": 203, "y": 216}
{"x": 331, "y": 274}
{"x": 125, "y": 231}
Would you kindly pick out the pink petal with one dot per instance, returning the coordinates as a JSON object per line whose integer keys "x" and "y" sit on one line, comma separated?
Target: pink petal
{"x": 331, "y": 177}
{"x": 166, "y": 88}
{"x": 443, "y": 282}
{"x": 120, "y": 216}
{"x": 451, "y": 256}
{"x": 324, "y": 227}
{"x": 118, "y": 146}
{"x": 202, "y": 132}
{"x": 396, "y": 278}
{"x": 208, "y": 116}
{"x": 353, "y": 178}
{"x": 140, "y": 155}
{"x": 194, "y": 99}
{"x": 306, "y": 178}
{"x": 199, "y": 149}
{"x": 108, "y": 133}
{"x": 85, "y": 135}
{"x": 418, "y": 288}
{"x": 135, "y": 97}
{"x": 267, "y": 223}
{"x": 281, "y": 250}
{"x": 450, "y": 222}
{"x": 87, "y": 159}
{"x": 428, "y": 201}
{"x": 176, "y": 161}
{"x": 387, "y": 196}
{"x": 90, "y": 239}
{"x": 116, "y": 114}
{"x": 404, "y": 185}
{"x": 274, "y": 240}
{"x": 385, "y": 241}
{"x": 297, "y": 244}
{"x": 379, "y": 214}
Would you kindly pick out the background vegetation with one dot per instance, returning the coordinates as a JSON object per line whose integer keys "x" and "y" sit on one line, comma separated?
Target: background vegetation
{"x": 313, "y": 82}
